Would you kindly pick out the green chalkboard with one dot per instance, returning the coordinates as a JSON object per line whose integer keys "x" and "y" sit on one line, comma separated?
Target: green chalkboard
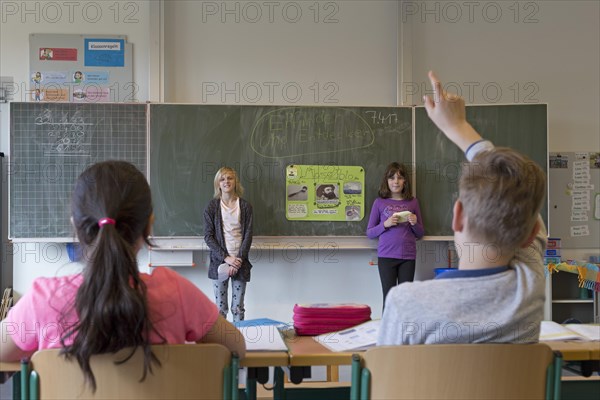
{"x": 438, "y": 161}
{"x": 51, "y": 144}
{"x": 189, "y": 143}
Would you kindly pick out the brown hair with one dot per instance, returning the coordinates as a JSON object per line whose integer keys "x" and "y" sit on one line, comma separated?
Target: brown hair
{"x": 502, "y": 191}
{"x": 239, "y": 189}
{"x": 391, "y": 170}
{"x": 111, "y": 303}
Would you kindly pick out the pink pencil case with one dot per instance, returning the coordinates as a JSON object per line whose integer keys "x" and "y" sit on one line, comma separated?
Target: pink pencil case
{"x": 316, "y": 319}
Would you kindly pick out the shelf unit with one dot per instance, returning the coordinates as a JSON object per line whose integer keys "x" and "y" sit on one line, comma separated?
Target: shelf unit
{"x": 569, "y": 301}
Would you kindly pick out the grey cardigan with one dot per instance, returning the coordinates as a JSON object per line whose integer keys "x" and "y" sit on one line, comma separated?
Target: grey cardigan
{"x": 215, "y": 239}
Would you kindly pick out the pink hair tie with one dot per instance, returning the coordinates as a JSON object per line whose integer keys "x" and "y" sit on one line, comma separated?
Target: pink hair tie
{"x": 104, "y": 221}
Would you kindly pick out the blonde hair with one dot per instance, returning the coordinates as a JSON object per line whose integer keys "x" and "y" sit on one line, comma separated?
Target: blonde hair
{"x": 238, "y": 190}
{"x": 501, "y": 192}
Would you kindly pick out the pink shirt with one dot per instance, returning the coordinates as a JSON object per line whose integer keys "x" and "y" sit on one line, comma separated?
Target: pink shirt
{"x": 178, "y": 310}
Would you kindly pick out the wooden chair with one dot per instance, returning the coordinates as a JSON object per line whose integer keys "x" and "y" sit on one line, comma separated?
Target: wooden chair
{"x": 461, "y": 371}
{"x": 188, "y": 371}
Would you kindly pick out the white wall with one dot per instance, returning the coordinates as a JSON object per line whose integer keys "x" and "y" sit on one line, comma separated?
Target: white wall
{"x": 557, "y": 55}
{"x": 307, "y": 52}
{"x": 551, "y": 55}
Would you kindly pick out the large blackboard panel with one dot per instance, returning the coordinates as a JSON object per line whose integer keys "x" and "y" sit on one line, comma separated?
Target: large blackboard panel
{"x": 189, "y": 143}
{"x": 51, "y": 144}
{"x": 438, "y": 161}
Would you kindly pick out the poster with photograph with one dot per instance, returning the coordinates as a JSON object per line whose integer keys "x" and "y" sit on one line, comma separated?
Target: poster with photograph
{"x": 325, "y": 193}
{"x": 75, "y": 68}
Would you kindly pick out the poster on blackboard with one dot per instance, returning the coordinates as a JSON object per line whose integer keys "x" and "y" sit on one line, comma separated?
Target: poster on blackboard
{"x": 325, "y": 193}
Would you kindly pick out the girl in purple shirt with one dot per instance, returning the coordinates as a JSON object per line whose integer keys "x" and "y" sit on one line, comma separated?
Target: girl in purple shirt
{"x": 397, "y": 248}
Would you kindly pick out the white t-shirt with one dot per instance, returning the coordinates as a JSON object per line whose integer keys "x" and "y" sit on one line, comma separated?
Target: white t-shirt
{"x": 232, "y": 228}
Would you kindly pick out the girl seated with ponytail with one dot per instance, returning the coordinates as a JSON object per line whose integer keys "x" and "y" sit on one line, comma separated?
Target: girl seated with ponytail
{"x": 110, "y": 305}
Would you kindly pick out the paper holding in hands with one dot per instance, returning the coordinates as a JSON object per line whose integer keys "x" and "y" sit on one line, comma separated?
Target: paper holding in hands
{"x": 223, "y": 271}
{"x": 402, "y": 215}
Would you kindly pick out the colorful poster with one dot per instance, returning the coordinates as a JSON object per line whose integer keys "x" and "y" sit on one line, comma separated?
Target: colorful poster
{"x": 91, "y": 94}
{"x": 49, "y": 94}
{"x": 57, "y": 54}
{"x": 99, "y": 77}
{"x": 104, "y": 53}
{"x": 46, "y": 77}
{"x": 325, "y": 193}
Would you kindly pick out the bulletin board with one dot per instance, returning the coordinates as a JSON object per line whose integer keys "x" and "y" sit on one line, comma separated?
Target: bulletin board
{"x": 80, "y": 68}
{"x": 574, "y": 187}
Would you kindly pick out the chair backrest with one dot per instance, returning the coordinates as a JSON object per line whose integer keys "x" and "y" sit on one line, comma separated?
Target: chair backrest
{"x": 461, "y": 371}
{"x": 187, "y": 371}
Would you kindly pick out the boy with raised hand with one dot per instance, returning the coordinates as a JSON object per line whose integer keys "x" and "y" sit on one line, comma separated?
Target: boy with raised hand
{"x": 497, "y": 292}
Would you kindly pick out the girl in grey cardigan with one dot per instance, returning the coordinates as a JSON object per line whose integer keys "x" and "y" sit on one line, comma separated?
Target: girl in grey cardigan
{"x": 228, "y": 235}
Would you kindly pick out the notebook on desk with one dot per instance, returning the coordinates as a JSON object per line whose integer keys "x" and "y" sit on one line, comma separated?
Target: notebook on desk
{"x": 262, "y": 334}
{"x": 357, "y": 338}
{"x": 551, "y": 330}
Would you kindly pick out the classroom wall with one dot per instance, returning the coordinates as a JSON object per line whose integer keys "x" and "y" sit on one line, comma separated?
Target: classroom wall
{"x": 360, "y": 59}
{"x": 284, "y": 54}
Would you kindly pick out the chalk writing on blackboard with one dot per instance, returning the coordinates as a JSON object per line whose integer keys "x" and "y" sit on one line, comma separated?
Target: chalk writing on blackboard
{"x": 377, "y": 117}
{"x": 66, "y": 135}
{"x": 293, "y": 132}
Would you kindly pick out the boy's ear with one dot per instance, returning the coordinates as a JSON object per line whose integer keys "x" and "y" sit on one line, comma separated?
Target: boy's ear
{"x": 531, "y": 236}
{"x": 458, "y": 217}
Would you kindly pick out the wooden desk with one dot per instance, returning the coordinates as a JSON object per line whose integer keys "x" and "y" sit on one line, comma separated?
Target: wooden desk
{"x": 573, "y": 350}
{"x": 10, "y": 366}
{"x": 305, "y": 352}
{"x": 257, "y": 359}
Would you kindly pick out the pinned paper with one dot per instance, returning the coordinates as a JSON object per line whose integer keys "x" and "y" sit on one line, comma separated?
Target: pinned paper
{"x": 580, "y": 230}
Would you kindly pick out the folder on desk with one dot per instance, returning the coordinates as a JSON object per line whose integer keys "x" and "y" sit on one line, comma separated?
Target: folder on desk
{"x": 262, "y": 334}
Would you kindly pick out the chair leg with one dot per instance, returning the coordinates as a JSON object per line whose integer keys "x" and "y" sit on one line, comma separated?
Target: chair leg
{"x": 25, "y": 379}
{"x": 278, "y": 384}
{"x": 355, "y": 378}
{"x": 235, "y": 371}
{"x": 333, "y": 373}
{"x": 557, "y": 375}
{"x": 365, "y": 384}
{"x": 227, "y": 386}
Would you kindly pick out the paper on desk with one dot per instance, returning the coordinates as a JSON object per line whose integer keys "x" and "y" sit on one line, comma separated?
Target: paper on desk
{"x": 551, "y": 330}
{"x": 263, "y": 338}
{"x": 359, "y": 337}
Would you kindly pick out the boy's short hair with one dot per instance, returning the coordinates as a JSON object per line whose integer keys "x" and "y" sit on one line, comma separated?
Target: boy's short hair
{"x": 502, "y": 191}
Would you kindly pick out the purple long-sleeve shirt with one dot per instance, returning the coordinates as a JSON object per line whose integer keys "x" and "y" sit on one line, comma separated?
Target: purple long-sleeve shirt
{"x": 399, "y": 241}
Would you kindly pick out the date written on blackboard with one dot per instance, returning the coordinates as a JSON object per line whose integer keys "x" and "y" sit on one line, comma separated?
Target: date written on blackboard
{"x": 377, "y": 117}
